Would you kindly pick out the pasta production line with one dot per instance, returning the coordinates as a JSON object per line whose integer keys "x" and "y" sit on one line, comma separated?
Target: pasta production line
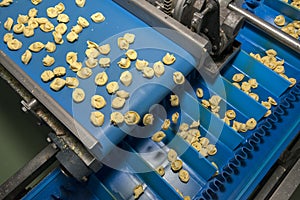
{"x": 156, "y": 99}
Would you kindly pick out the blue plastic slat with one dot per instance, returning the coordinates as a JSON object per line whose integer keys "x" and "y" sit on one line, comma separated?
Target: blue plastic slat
{"x": 237, "y": 98}
{"x": 257, "y": 70}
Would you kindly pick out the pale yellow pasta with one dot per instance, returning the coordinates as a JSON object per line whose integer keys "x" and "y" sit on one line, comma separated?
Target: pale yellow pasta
{"x": 97, "y": 118}
{"x": 123, "y": 94}
{"x": 238, "y": 77}
{"x": 36, "y": 2}
{"x": 230, "y": 114}
{"x": 32, "y": 13}
{"x": 138, "y": 191}
{"x": 169, "y": 59}
{"x": 32, "y": 23}
{"x": 148, "y": 119}
{"x": 71, "y": 57}
{"x": 175, "y": 117}
{"x": 98, "y": 101}
{"x": 104, "y": 62}
{"x": 124, "y": 63}
{"x": 47, "y": 75}
{"x": 293, "y": 81}
{"x": 52, "y": 12}
{"x": 59, "y": 71}
{"x": 178, "y": 78}
{"x": 76, "y": 66}
{"x": 64, "y": 18}
{"x": 123, "y": 43}
{"x": 4, "y": 3}
{"x": 104, "y": 49}
{"x": 176, "y": 165}
{"x": 58, "y": 39}
{"x": 211, "y": 149}
{"x": 126, "y": 78}
{"x": 172, "y": 155}
{"x": 205, "y": 103}
{"x": 253, "y": 83}
{"x": 141, "y": 64}
{"x": 47, "y": 27}
{"x": 158, "y": 136}
{"x": 279, "y": 20}
{"x": 92, "y": 44}
{"x": 26, "y": 57}
{"x": 72, "y": 36}
{"x": 22, "y": 19}
{"x": 117, "y": 103}
{"x": 159, "y": 68}
{"x": 251, "y": 123}
{"x": 57, "y": 84}
{"x": 28, "y": 31}
{"x": 97, "y": 17}
{"x": 254, "y": 96}
{"x": 101, "y": 78}
{"x": 131, "y": 117}
{"x": 48, "y": 61}
{"x": 148, "y": 72}
{"x": 84, "y": 73}
{"x": 92, "y": 53}
{"x": 14, "y": 44}
{"x": 131, "y": 54}
{"x": 80, "y": 3}
{"x": 174, "y": 99}
{"x": 41, "y": 20}
{"x": 50, "y": 47}
{"x": 72, "y": 82}
{"x": 18, "y": 28}
{"x": 8, "y": 23}
{"x": 83, "y": 22}
{"x": 60, "y": 7}
{"x": 76, "y": 29}
{"x": 199, "y": 92}
{"x": 160, "y": 170}
{"x": 91, "y": 62}
{"x": 129, "y": 37}
{"x": 112, "y": 87}
{"x": 8, "y": 37}
{"x": 184, "y": 176}
{"x": 166, "y": 124}
{"x": 78, "y": 95}
{"x": 116, "y": 118}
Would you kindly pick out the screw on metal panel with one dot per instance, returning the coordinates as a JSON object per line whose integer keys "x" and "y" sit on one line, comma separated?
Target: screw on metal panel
{"x": 49, "y": 139}
{"x": 84, "y": 179}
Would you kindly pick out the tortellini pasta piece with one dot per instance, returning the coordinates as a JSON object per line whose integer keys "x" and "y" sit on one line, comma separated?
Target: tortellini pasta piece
{"x": 83, "y": 22}
{"x": 48, "y": 61}
{"x": 14, "y": 44}
{"x": 97, "y": 17}
{"x": 57, "y": 84}
{"x": 8, "y": 23}
{"x": 47, "y": 75}
{"x": 26, "y": 57}
{"x": 50, "y": 47}
{"x": 36, "y": 46}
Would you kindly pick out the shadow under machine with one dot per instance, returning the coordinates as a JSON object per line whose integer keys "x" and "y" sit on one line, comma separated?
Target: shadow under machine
{"x": 209, "y": 107}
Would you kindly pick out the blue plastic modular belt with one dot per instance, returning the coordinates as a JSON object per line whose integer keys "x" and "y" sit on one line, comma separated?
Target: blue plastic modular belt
{"x": 243, "y": 158}
{"x": 117, "y": 22}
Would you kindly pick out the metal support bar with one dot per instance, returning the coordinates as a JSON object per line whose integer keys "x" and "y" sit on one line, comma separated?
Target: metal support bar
{"x": 279, "y": 35}
{"x": 15, "y": 185}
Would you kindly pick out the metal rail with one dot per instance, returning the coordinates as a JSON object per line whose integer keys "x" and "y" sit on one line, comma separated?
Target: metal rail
{"x": 279, "y": 35}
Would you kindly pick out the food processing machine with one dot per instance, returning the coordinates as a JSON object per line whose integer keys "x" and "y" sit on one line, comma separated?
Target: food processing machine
{"x": 212, "y": 42}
